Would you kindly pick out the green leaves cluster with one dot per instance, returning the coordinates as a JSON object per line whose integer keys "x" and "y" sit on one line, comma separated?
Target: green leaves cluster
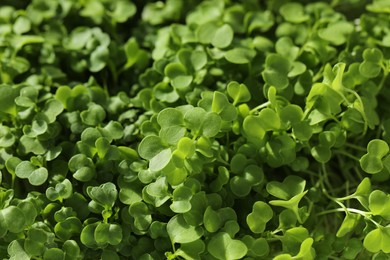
{"x": 194, "y": 129}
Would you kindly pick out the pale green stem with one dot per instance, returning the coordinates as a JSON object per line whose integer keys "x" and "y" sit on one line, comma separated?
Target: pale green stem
{"x": 259, "y": 107}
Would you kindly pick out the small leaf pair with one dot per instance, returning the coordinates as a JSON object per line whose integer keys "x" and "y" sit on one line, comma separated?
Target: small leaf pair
{"x": 62, "y": 190}
{"x": 141, "y": 214}
{"x": 290, "y": 191}
{"x": 322, "y": 152}
{"x": 35, "y": 175}
{"x": 258, "y": 218}
{"x": 101, "y": 234}
{"x": 280, "y": 150}
{"x": 376, "y": 157}
{"x": 203, "y": 123}
{"x": 217, "y": 220}
{"x": 16, "y": 218}
{"x": 242, "y": 184}
{"x": 372, "y": 63}
{"x": 103, "y": 198}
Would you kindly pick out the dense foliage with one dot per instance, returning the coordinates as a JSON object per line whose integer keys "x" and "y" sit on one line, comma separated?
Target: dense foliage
{"x": 186, "y": 129}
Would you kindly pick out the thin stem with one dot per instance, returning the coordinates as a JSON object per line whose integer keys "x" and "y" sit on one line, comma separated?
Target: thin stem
{"x": 358, "y": 173}
{"x": 324, "y": 178}
{"x": 13, "y": 178}
{"x": 363, "y": 112}
{"x": 260, "y": 107}
{"x": 311, "y": 173}
{"x": 356, "y": 147}
{"x": 342, "y": 152}
{"x": 382, "y": 82}
{"x": 276, "y": 231}
{"x": 366, "y": 215}
{"x": 318, "y": 75}
{"x": 223, "y": 162}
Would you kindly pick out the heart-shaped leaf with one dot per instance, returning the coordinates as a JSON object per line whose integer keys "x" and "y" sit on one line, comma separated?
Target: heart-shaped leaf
{"x": 349, "y": 223}
{"x": 106, "y": 233}
{"x": 223, "y": 36}
{"x": 379, "y": 203}
{"x": 378, "y": 240}
{"x": 239, "y": 92}
{"x": 223, "y": 247}
{"x": 259, "y": 217}
{"x": 291, "y": 186}
{"x": 180, "y": 231}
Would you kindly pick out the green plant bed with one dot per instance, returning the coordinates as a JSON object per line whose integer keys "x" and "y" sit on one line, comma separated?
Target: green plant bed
{"x": 194, "y": 129}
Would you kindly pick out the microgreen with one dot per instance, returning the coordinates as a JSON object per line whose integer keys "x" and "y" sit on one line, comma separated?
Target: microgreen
{"x": 194, "y": 129}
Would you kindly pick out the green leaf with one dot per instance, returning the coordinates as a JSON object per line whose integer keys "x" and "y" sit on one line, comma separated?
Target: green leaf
{"x": 253, "y": 129}
{"x": 293, "y": 238}
{"x": 71, "y": 249}
{"x": 181, "y": 232}
{"x": 372, "y": 161}
{"x": 291, "y": 186}
{"x": 68, "y": 228}
{"x": 269, "y": 119}
{"x": 7, "y": 98}
{"x": 158, "y": 190}
{"x": 372, "y": 64}
{"x": 238, "y": 92}
{"x": 294, "y": 13}
{"x": 141, "y": 214}
{"x": 87, "y": 236}
{"x": 105, "y": 194}
{"x": 353, "y": 248}
{"x": 178, "y": 75}
{"x": 191, "y": 250}
{"x": 106, "y": 233}
{"x": 13, "y": 218}
{"x": 259, "y": 217}
{"x": 99, "y": 58}
{"x": 257, "y": 20}
{"x": 240, "y": 55}
{"x": 337, "y": 33}
{"x": 16, "y": 250}
{"x": 212, "y": 220}
{"x": 223, "y": 36}
{"x": 276, "y": 71}
{"x": 223, "y": 247}
{"x": 379, "y": 6}
{"x": 52, "y": 109}
{"x": 378, "y": 240}
{"x": 150, "y": 146}
{"x": 206, "y": 31}
{"x": 285, "y": 46}
{"x": 53, "y": 253}
{"x": 198, "y": 59}
{"x": 379, "y": 203}
{"x": 94, "y": 115}
{"x": 306, "y": 251}
{"x": 211, "y": 124}
{"x": 349, "y": 223}
{"x": 82, "y": 167}
{"x": 221, "y": 106}
{"x": 256, "y": 247}
{"x": 170, "y": 117}
{"x": 62, "y": 190}
{"x": 172, "y": 134}
{"x": 160, "y": 160}
{"x": 36, "y": 176}
{"x": 22, "y": 25}
{"x": 181, "y": 197}
{"x": 123, "y": 11}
